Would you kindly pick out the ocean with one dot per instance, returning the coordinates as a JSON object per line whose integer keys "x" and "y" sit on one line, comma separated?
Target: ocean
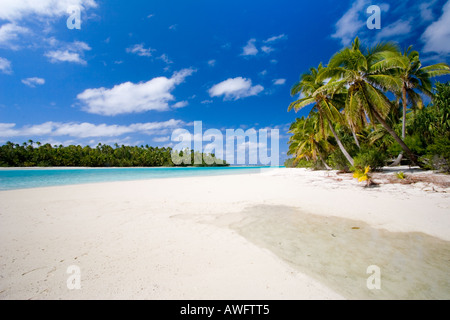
{"x": 24, "y": 178}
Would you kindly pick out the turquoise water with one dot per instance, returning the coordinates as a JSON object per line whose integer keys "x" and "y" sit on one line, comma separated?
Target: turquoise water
{"x": 11, "y": 179}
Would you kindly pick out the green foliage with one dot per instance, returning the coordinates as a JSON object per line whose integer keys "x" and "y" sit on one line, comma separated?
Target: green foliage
{"x": 362, "y": 174}
{"x": 437, "y": 155}
{"x": 401, "y": 175}
{"x": 26, "y": 155}
{"x": 350, "y": 101}
{"x": 289, "y": 163}
{"x": 337, "y": 161}
{"x": 373, "y": 158}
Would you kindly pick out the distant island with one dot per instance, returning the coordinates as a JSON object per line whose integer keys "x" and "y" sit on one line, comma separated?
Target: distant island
{"x": 35, "y": 154}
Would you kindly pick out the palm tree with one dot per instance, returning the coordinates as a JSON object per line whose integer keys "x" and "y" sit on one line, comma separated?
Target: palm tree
{"x": 413, "y": 76}
{"x": 367, "y": 77}
{"x": 326, "y": 105}
{"x": 307, "y": 142}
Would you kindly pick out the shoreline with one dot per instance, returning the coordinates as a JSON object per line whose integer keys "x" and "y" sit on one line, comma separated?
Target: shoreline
{"x": 195, "y": 238}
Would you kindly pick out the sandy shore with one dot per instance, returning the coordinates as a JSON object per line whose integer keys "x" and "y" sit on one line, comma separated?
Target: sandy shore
{"x": 280, "y": 234}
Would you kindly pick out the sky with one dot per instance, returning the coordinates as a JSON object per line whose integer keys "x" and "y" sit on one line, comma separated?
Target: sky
{"x": 133, "y": 71}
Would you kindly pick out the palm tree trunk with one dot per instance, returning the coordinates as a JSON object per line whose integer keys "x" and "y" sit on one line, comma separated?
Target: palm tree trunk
{"x": 341, "y": 146}
{"x": 400, "y": 156}
{"x": 398, "y": 160}
{"x": 356, "y": 138}
{"x": 404, "y": 113}
{"x": 405, "y": 148}
{"x": 324, "y": 163}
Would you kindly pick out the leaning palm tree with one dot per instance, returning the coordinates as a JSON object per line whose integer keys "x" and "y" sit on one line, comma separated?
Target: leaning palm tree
{"x": 306, "y": 141}
{"x": 326, "y": 105}
{"x": 414, "y": 77}
{"x": 367, "y": 78}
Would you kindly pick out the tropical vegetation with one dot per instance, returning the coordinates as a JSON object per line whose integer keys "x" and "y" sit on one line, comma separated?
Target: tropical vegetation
{"x": 35, "y": 154}
{"x": 368, "y": 111}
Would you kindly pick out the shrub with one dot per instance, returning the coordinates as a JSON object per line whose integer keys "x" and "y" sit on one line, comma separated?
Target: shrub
{"x": 438, "y": 155}
{"x": 338, "y": 161}
{"x": 375, "y": 159}
{"x": 401, "y": 175}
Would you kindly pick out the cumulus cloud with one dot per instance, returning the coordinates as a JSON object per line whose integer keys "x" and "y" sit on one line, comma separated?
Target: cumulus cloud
{"x": 72, "y": 52}
{"x": 426, "y": 12}
{"x": 267, "y": 49}
{"x": 130, "y": 97}
{"x": 250, "y": 49}
{"x": 350, "y": 23}
{"x": 180, "y": 104}
{"x": 437, "y": 36}
{"x": 33, "y": 82}
{"x": 10, "y": 33}
{"x": 161, "y": 139}
{"x": 279, "y": 82}
{"x": 140, "y": 50}
{"x": 236, "y": 88}
{"x": 85, "y": 130}
{"x": 13, "y": 10}
{"x": 398, "y": 28}
{"x": 5, "y": 66}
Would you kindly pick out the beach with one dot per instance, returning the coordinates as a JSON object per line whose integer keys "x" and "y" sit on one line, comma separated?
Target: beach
{"x": 281, "y": 234}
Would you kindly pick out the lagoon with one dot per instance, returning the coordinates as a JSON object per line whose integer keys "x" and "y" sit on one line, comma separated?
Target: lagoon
{"x": 24, "y": 178}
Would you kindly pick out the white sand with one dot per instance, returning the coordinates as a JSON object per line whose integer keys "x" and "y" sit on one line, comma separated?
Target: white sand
{"x": 192, "y": 238}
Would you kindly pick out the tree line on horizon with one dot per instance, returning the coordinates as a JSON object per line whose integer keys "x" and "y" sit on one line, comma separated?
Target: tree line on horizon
{"x": 103, "y": 155}
{"x": 368, "y": 111}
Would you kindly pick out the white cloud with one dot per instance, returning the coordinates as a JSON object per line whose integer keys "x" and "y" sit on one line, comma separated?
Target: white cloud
{"x": 130, "y": 97}
{"x": 140, "y": 50}
{"x": 85, "y": 130}
{"x": 173, "y": 27}
{"x": 33, "y": 82}
{"x": 279, "y": 82}
{"x": 437, "y": 36}
{"x": 150, "y": 16}
{"x": 350, "y": 23}
{"x": 426, "y": 13}
{"x": 275, "y": 38}
{"x": 206, "y": 102}
{"x": 164, "y": 57}
{"x": 234, "y": 89}
{"x": 273, "y": 61}
{"x": 5, "y": 66}
{"x": 267, "y": 49}
{"x": 180, "y": 104}
{"x": 14, "y": 10}
{"x": 263, "y": 73}
{"x": 64, "y": 56}
{"x": 212, "y": 63}
{"x": 9, "y": 33}
{"x": 72, "y": 52}
{"x": 250, "y": 49}
{"x": 398, "y": 28}
{"x": 161, "y": 139}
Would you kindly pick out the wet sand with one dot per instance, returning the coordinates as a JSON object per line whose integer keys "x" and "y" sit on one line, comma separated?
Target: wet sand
{"x": 338, "y": 252}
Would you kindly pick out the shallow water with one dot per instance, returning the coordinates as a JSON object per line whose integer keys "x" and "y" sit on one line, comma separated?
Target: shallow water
{"x": 12, "y": 178}
{"x": 338, "y": 251}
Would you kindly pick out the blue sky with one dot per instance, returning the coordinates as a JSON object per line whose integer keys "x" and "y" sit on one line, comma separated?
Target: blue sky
{"x": 137, "y": 70}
